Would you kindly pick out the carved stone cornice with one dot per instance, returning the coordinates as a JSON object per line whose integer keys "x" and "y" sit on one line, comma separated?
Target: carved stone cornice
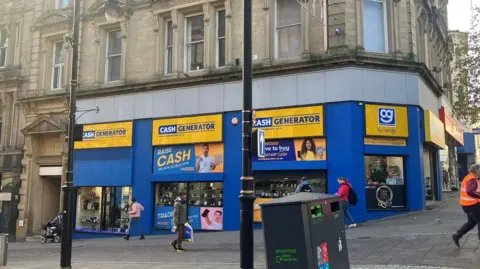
{"x": 166, "y": 4}
{"x": 52, "y": 18}
{"x": 46, "y": 124}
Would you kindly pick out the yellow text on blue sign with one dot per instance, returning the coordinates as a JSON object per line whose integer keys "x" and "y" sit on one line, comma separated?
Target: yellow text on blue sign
{"x": 434, "y": 129}
{"x": 290, "y": 122}
{"x": 388, "y": 121}
{"x": 188, "y": 130}
{"x": 106, "y": 135}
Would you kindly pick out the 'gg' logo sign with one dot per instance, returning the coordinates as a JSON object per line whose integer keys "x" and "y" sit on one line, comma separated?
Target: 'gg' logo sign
{"x": 386, "y": 117}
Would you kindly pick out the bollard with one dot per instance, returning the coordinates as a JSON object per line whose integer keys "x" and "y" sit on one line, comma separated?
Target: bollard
{"x": 3, "y": 249}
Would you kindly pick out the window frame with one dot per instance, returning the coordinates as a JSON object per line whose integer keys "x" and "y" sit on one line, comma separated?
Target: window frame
{"x": 187, "y": 43}
{"x": 167, "y": 48}
{"x": 107, "y": 56}
{"x": 277, "y": 28}
{"x": 218, "y": 38}
{"x": 58, "y": 4}
{"x": 385, "y": 25}
{"x": 61, "y": 71}
{"x": 3, "y": 30}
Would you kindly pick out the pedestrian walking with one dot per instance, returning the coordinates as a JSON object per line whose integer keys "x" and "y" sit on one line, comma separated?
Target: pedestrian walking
{"x": 470, "y": 202}
{"x": 348, "y": 195}
{"x": 135, "y": 216}
{"x": 179, "y": 221}
{"x": 304, "y": 186}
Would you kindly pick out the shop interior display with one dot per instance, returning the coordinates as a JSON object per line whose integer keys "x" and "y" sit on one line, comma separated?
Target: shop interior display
{"x": 88, "y": 209}
{"x": 281, "y": 188}
{"x": 166, "y": 193}
{"x": 206, "y": 194}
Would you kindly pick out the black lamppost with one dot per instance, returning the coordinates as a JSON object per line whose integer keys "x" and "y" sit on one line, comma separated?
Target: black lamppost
{"x": 247, "y": 197}
{"x": 112, "y": 11}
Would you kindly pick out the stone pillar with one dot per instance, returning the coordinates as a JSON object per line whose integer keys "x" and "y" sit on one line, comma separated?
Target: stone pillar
{"x": 178, "y": 25}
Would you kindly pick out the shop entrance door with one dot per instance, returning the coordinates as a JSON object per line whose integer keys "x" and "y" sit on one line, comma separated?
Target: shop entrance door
{"x": 111, "y": 209}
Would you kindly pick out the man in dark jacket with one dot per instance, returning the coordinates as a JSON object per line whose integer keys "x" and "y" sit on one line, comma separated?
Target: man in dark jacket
{"x": 179, "y": 220}
{"x": 304, "y": 186}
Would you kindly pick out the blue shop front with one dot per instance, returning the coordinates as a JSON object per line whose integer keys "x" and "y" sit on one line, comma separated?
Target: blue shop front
{"x": 380, "y": 148}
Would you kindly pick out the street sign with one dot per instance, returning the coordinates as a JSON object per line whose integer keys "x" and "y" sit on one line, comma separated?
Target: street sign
{"x": 261, "y": 143}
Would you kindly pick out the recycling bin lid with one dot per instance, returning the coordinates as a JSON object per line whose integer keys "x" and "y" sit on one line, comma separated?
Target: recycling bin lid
{"x": 302, "y": 198}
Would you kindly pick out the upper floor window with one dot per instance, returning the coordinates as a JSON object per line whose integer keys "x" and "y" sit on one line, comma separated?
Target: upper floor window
{"x": 58, "y": 66}
{"x": 59, "y": 4}
{"x": 287, "y": 29}
{"x": 114, "y": 56}
{"x": 375, "y": 25}
{"x": 3, "y": 47}
{"x": 221, "y": 29}
{"x": 195, "y": 36}
{"x": 168, "y": 47}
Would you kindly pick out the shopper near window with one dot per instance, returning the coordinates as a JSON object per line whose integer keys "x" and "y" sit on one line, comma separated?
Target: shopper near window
{"x": 344, "y": 192}
{"x": 304, "y": 186}
{"x": 179, "y": 221}
{"x": 470, "y": 202}
{"x": 135, "y": 215}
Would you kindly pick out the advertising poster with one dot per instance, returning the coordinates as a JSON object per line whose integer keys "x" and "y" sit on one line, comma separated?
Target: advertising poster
{"x": 212, "y": 218}
{"x": 164, "y": 217}
{"x": 257, "y": 212}
{"x": 308, "y": 149}
{"x": 189, "y": 130}
{"x": 199, "y": 158}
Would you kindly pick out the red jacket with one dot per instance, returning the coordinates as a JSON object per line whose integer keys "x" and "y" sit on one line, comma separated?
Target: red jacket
{"x": 344, "y": 190}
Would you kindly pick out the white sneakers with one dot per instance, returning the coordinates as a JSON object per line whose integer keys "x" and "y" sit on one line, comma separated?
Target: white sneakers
{"x": 352, "y": 225}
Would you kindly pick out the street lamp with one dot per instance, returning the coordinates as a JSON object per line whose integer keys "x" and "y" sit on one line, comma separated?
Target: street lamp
{"x": 113, "y": 10}
{"x": 247, "y": 197}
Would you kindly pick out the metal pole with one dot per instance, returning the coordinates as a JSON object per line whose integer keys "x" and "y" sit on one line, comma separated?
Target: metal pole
{"x": 66, "y": 246}
{"x": 246, "y": 194}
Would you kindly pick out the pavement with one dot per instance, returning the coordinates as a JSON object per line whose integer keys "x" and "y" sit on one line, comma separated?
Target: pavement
{"x": 415, "y": 240}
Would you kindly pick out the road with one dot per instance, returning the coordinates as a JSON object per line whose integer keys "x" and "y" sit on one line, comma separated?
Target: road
{"x": 414, "y": 240}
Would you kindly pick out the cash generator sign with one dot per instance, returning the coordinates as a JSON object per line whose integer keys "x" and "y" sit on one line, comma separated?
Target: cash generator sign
{"x": 107, "y": 135}
{"x": 384, "y": 120}
{"x": 187, "y": 130}
{"x": 290, "y": 122}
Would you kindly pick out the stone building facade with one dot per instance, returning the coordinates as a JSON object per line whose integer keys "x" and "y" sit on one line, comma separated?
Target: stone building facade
{"x": 183, "y": 54}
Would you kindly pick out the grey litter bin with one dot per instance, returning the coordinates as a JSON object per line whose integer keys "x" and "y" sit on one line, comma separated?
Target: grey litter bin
{"x": 305, "y": 231}
{"x": 3, "y": 249}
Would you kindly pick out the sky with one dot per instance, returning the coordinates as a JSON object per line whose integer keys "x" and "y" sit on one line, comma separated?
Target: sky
{"x": 459, "y": 14}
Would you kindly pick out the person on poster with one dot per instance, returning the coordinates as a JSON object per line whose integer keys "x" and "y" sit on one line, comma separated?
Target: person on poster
{"x": 309, "y": 151}
{"x": 216, "y": 223}
{"x": 205, "y": 163}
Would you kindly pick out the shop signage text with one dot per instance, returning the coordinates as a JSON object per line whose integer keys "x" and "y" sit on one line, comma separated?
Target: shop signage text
{"x": 434, "y": 129}
{"x": 385, "y": 141}
{"x": 452, "y": 126}
{"x": 188, "y": 130}
{"x": 107, "y": 135}
{"x": 309, "y": 149}
{"x": 290, "y": 122}
{"x": 386, "y": 121}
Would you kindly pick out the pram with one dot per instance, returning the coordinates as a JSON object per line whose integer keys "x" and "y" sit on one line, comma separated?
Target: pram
{"x": 52, "y": 231}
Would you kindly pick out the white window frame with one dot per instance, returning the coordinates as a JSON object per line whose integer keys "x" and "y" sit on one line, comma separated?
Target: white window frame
{"x": 217, "y": 38}
{"x": 185, "y": 62}
{"x": 58, "y": 4}
{"x": 107, "y": 57}
{"x": 385, "y": 25}
{"x": 275, "y": 41}
{"x": 3, "y": 30}
{"x": 61, "y": 71}
{"x": 167, "y": 48}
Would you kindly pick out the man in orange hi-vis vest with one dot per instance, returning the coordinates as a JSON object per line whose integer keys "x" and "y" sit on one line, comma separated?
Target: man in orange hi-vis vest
{"x": 470, "y": 202}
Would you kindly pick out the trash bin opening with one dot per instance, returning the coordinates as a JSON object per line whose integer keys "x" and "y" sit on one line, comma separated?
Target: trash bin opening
{"x": 335, "y": 207}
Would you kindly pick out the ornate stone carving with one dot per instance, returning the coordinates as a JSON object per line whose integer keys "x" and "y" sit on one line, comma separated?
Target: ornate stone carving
{"x": 51, "y": 18}
{"x": 97, "y": 33}
{"x": 206, "y": 12}
{"x": 97, "y": 8}
{"x": 228, "y": 9}
{"x": 46, "y": 124}
{"x": 123, "y": 29}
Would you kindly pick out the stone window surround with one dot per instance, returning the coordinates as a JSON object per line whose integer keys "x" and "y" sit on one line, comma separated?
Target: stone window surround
{"x": 101, "y": 33}
{"x": 47, "y": 50}
{"x": 178, "y": 15}
{"x": 14, "y": 37}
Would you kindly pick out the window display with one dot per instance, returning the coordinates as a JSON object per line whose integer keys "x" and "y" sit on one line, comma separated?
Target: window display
{"x": 204, "y": 200}
{"x": 385, "y": 183}
{"x": 103, "y": 209}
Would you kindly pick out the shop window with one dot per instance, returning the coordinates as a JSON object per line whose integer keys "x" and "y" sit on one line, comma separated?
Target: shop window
{"x": 430, "y": 182}
{"x": 103, "y": 209}
{"x": 287, "y": 29}
{"x": 204, "y": 204}
{"x": 385, "y": 183}
{"x": 375, "y": 25}
{"x": 195, "y": 36}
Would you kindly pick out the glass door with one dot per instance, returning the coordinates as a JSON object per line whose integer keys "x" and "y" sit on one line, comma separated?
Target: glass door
{"x": 116, "y": 206}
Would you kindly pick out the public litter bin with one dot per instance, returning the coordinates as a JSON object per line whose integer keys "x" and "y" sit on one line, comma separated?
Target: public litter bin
{"x": 3, "y": 249}
{"x": 305, "y": 231}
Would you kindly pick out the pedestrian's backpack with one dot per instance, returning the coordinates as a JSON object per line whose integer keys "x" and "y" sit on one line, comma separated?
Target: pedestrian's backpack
{"x": 352, "y": 196}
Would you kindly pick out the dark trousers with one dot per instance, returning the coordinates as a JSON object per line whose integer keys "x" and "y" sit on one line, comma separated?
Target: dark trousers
{"x": 346, "y": 211}
{"x": 473, "y": 219}
{"x": 180, "y": 235}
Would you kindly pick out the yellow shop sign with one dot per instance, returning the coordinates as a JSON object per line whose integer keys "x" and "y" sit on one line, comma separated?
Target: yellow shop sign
{"x": 386, "y": 121}
{"x": 434, "y": 129}
{"x": 290, "y": 122}
{"x": 188, "y": 130}
{"x": 106, "y": 135}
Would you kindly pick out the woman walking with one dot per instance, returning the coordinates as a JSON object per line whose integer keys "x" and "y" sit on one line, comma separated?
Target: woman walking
{"x": 344, "y": 192}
